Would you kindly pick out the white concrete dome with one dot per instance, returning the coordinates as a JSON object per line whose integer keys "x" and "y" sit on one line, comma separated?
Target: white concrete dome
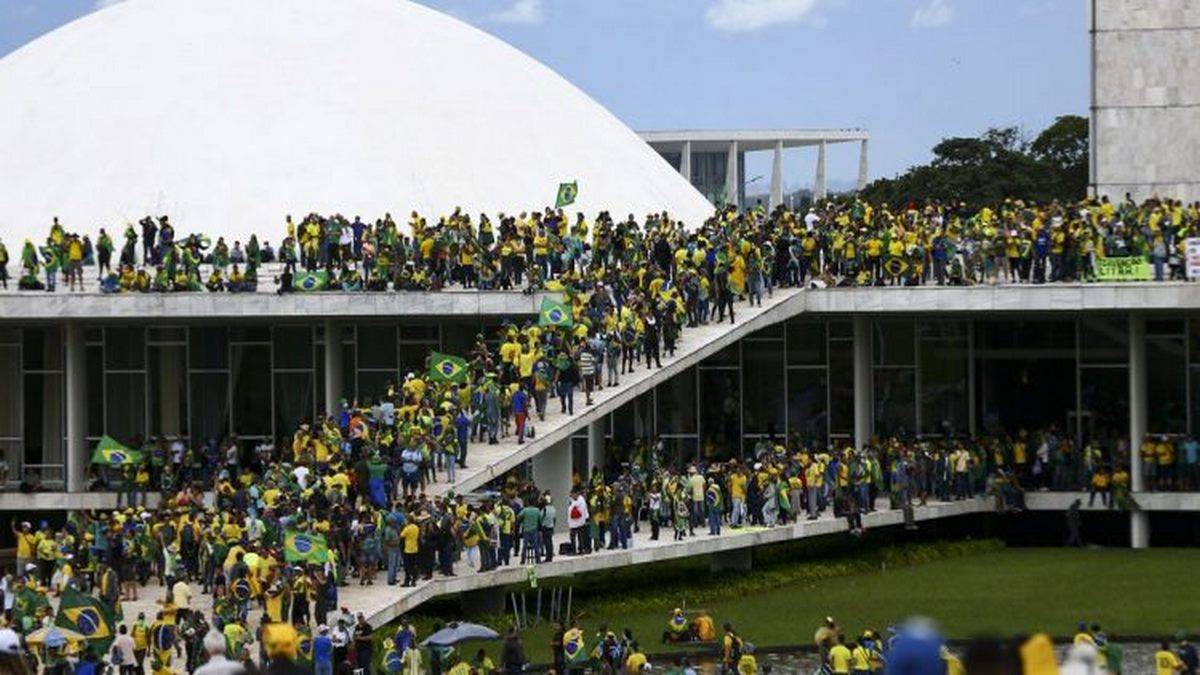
{"x": 230, "y": 114}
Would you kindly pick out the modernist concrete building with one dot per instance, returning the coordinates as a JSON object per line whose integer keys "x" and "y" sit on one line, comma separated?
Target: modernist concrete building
{"x": 715, "y": 161}
{"x": 1145, "y": 115}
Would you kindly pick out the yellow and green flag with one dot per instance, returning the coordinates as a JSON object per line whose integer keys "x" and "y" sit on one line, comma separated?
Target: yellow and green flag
{"x": 309, "y": 282}
{"x": 567, "y": 192}
{"x": 111, "y": 453}
{"x": 87, "y": 615}
{"x": 447, "y": 368}
{"x": 555, "y": 313}
{"x": 305, "y": 547}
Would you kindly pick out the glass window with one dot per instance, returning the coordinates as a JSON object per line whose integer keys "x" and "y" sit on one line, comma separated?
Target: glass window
{"x": 166, "y": 334}
{"x": 426, "y": 333}
{"x": 44, "y": 423}
{"x": 208, "y": 348}
{"x": 250, "y": 334}
{"x": 10, "y": 402}
{"x": 726, "y": 357}
{"x": 376, "y": 346}
{"x": 460, "y": 337}
{"x": 944, "y": 387}
{"x": 892, "y": 343}
{"x": 1171, "y": 327}
{"x": 807, "y": 405}
{"x": 775, "y": 330}
{"x": 806, "y": 343}
{"x": 293, "y": 402}
{"x": 168, "y": 390}
{"x": 251, "y": 371}
{"x": 125, "y": 348}
{"x": 1034, "y": 334}
{"x": 679, "y": 451}
{"x": 1166, "y": 375}
{"x": 841, "y": 387}
{"x": 677, "y": 404}
{"x": 125, "y": 406}
{"x": 372, "y": 384}
{"x": 632, "y": 421}
{"x": 895, "y": 396}
{"x": 1104, "y": 340}
{"x": 43, "y": 349}
{"x": 1104, "y": 395}
{"x": 209, "y": 396}
{"x": 95, "y": 390}
{"x": 720, "y": 408}
{"x": 764, "y": 405}
{"x": 293, "y": 347}
{"x": 413, "y": 357}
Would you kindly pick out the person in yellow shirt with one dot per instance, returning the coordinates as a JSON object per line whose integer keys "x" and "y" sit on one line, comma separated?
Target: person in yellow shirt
{"x": 1165, "y": 661}
{"x": 860, "y": 659}
{"x": 636, "y": 661}
{"x": 26, "y": 544}
{"x": 411, "y": 535}
{"x": 748, "y": 665}
{"x": 737, "y": 497}
{"x": 840, "y": 657}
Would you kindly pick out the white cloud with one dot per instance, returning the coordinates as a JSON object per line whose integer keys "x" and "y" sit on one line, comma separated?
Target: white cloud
{"x": 101, "y": 4}
{"x": 748, "y": 15}
{"x": 933, "y": 13}
{"x": 521, "y": 11}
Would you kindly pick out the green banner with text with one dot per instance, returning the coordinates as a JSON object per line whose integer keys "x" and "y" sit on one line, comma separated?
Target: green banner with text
{"x": 1131, "y": 268}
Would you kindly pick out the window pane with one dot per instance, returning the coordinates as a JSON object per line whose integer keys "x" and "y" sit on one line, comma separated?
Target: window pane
{"x": 251, "y": 370}
{"x": 125, "y": 348}
{"x": 631, "y": 421}
{"x": 293, "y": 402}
{"x": 209, "y": 395}
{"x": 763, "y": 405}
{"x": 808, "y": 414}
{"x": 413, "y": 357}
{"x": 677, "y": 404}
{"x": 1104, "y": 395}
{"x": 293, "y": 347}
{"x": 892, "y": 343}
{"x": 944, "y": 387}
{"x": 209, "y": 348}
{"x": 166, "y": 334}
{"x": 43, "y": 349}
{"x": 376, "y": 346}
{"x": 895, "y": 401}
{"x": 10, "y": 402}
{"x": 678, "y": 452}
{"x": 806, "y": 343}
{"x": 125, "y": 407}
{"x": 372, "y": 384}
{"x": 95, "y": 390}
{"x": 44, "y": 418}
{"x": 426, "y": 333}
{"x": 250, "y": 334}
{"x": 1104, "y": 341}
{"x": 168, "y": 390}
{"x": 726, "y": 357}
{"x": 720, "y": 421}
{"x": 841, "y": 387}
{"x": 1166, "y": 375}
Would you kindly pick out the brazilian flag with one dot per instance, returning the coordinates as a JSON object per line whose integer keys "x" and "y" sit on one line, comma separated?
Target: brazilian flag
{"x": 309, "y": 282}
{"x": 305, "y": 547}
{"x": 567, "y": 192}
{"x": 26, "y": 606}
{"x": 304, "y": 651}
{"x": 555, "y": 313}
{"x": 111, "y": 453}
{"x": 446, "y": 368}
{"x": 87, "y": 615}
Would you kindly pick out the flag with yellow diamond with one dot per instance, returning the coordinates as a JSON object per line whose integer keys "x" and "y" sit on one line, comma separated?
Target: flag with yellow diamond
{"x": 305, "y": 547}
{"x": 567, "y": 192}
{"x": 87, "y": 615}
{"x": 555, "y": 313}
{"x": 447, "y": 368}
{"x": 111, "y": 453}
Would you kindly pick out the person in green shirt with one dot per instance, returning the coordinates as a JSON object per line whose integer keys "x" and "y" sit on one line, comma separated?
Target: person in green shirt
{"x": 530, "y": 518}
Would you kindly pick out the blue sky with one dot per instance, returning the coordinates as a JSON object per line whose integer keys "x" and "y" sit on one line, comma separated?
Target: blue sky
{"x": 909, "y": 71}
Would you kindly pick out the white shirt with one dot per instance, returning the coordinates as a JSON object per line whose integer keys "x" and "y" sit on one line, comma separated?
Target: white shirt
{"x": 577, "y": 512}
{"x": 301, "y": 473}
{"x": 124, "y": 644}
{"x": 219, "y": 665}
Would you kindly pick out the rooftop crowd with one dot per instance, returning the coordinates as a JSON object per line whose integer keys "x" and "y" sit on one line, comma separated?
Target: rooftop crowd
{"x": 842, "y": 242}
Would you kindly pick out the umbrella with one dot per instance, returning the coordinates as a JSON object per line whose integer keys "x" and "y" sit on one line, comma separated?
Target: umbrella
{"x": 54, "y": 637}
{"x": 456, "y": 631}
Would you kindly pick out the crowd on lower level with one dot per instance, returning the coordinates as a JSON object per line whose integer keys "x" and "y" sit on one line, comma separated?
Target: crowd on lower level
{"x": 842, "y": 241}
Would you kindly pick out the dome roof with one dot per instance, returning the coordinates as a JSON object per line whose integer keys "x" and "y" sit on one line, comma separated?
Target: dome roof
{"x": 229, "y": 114}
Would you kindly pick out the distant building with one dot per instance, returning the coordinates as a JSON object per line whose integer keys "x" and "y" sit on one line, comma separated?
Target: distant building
{"x": 1145, "y": 113}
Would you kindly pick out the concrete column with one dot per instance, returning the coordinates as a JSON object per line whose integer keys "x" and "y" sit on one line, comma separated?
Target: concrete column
{"x": 731, "y": 175}
{"x": 863, "y": 400}
{"x": 77, "y": 415}
{"x": 595, "y": 454}
{"x": 819, "y": 191}
{"x": 777, "y": 176}
{"x": 685, "y": 161}
{"x": 1139, "y": 521}
{"x": 552, "y": 471}
{"x": 862, "y": 165}
{"x": 333, "y": 366}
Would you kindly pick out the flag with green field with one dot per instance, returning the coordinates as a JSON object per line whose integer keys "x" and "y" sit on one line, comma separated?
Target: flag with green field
{"x": 89, "y": 616}
{"x": 109, "y": 452}
{"x": 309, "y": 282}
{"x": 555, "y": 313}
{"x": 447, "y": 368}
{"x": 305, "y": 547}
{"x": 567, "y": 192}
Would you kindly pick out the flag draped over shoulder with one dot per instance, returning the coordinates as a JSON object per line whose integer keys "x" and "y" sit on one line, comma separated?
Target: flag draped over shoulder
{"x": 26, "y": 606}
{"x": 307, "y": 282}
{"x": 567, "y": 192}
{"x": 305, "y": 547}
{"x": 555, "y": 313}
{"x": 447, "y": 368}
{"x": 111, "y": 453}
{"x": 87, "y": 615}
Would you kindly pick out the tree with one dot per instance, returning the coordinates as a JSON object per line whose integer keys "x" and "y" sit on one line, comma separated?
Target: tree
{"x": 998, "y": 164}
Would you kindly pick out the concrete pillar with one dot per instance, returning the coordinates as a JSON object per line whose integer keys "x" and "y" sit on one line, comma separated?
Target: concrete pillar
{"x": 737, "y": 560}
{"x": 333, "y": 366}
{"x": 685, "y": 161}
{"x": 777, "y": 176}
{"x": 731, "y": 175}
{"x": 76, "y": 403}
{"x": 1139, "y": 521}
{"x": 862, "y": 165}
{"x": 863, "y": 402}
{"x": 819, "y": 191}
{"x": 552, "y": 471}
{"x": 595, "y": 454}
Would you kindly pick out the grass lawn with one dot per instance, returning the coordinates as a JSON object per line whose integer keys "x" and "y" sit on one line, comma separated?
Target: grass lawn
{"x": 1007, "y": 591}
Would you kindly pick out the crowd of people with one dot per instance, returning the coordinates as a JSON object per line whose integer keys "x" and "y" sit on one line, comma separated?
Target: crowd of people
{"x": 843, "y": 241}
